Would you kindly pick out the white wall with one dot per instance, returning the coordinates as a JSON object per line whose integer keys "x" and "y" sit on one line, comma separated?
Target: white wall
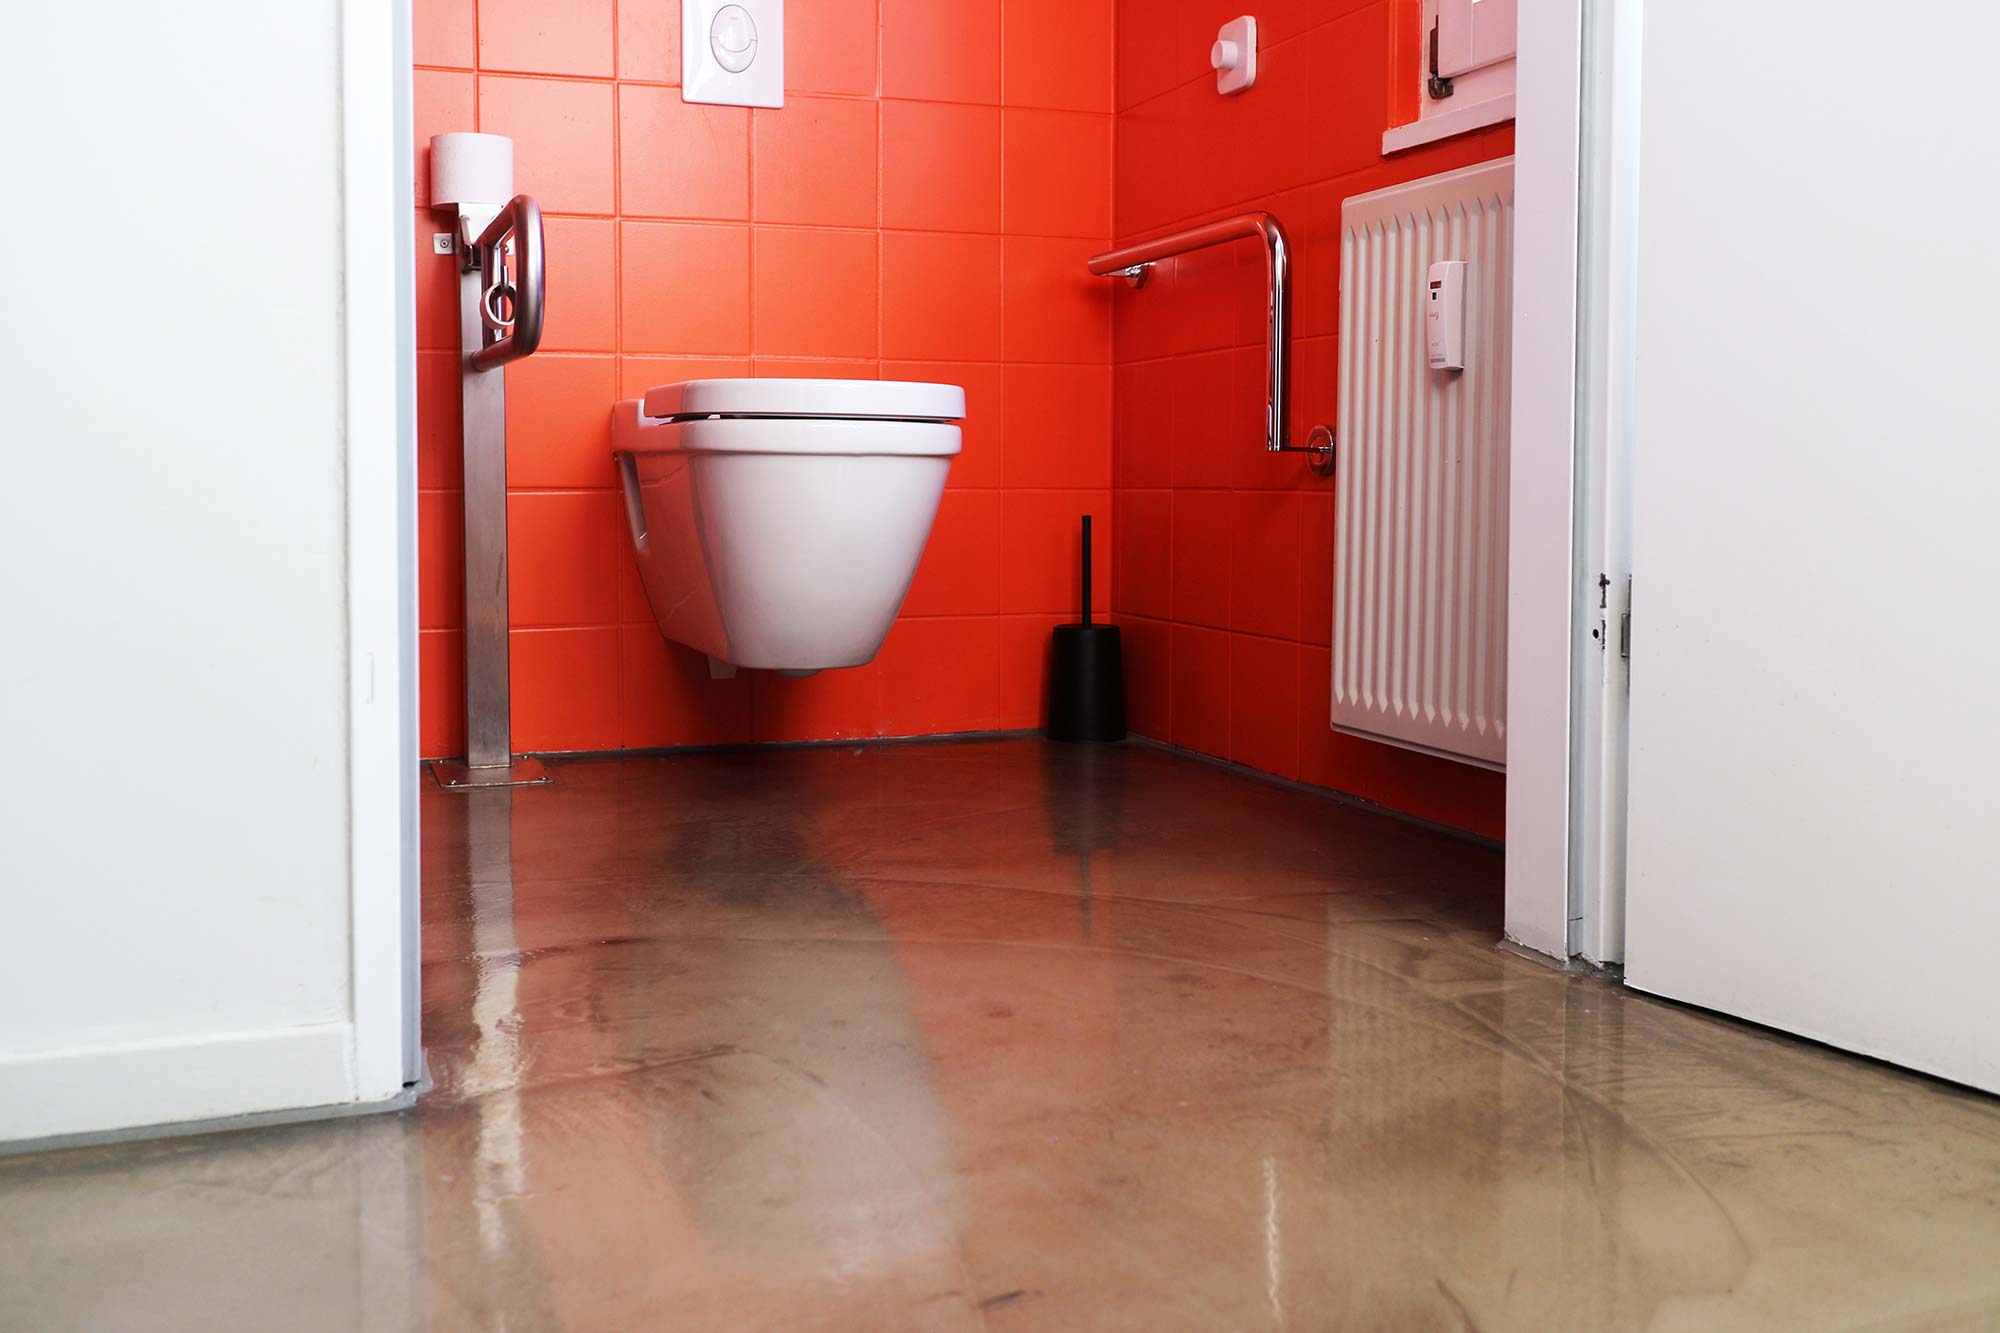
{"x": 176, "y": 843}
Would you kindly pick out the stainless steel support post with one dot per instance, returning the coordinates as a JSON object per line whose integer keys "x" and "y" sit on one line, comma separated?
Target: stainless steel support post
{"x": 492, "y": 297}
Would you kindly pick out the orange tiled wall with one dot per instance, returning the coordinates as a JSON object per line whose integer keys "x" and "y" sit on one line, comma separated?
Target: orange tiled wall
{"x": 1222, "y": 571}
{"x": 920, "y": 208}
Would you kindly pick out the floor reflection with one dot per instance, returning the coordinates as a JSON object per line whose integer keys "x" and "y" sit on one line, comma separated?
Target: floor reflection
{"x": 745, "y": 1099}
{"x": 1063, "y": 1037}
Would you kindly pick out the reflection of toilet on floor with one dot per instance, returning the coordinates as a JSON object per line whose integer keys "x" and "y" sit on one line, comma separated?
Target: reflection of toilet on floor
{"x": 778, "y": 522}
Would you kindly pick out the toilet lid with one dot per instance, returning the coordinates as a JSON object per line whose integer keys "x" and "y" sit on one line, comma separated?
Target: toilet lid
{"x": 873, "y": 400}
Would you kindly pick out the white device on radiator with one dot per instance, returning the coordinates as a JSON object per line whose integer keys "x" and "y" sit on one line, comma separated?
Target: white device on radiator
{"x": 1444, "y": 315}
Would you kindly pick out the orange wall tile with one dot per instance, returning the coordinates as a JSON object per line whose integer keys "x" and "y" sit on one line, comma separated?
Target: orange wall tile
{"x": 684, "y": 288}
{"x": 830, "y": 46}
{"x": 1050, "y": 54}
{"x": 1224, "y": 554}
{"x": 565, "y": 684}
{"x": 439, "y": 457}
{"x": 440, "y": 685}
{"x": 437, "y": 289}
{"x": 940, "y": 674}
{"x": 831, "y": 705}
{"x": 1143, "y": 524}
{"x": 1052, "y": 309}
{"x": 562, "y": 557}
{"x": 814, "y": 292}
{"x": 859, "y": 231}
{"x": 443, "y": 32}
{"x": 1056, "y": 173}
{"x": 1264, "y": 704}
{"x": 557, "y": 436}
{"x": 941, "y": 167}
{"x": 1055, "y": 420}
{"x": 940, "y": 296}
{"x": 582, "y": 262}
{"x": 649, "y": 43}
{"x": 816, "y": 162}
{"x": 1200, "y": 716}
{"x": 535, "y": 37}
{"x": 681, "y": 159}
{"x": 440, "y": 564}
{"x": 944, "y": 50}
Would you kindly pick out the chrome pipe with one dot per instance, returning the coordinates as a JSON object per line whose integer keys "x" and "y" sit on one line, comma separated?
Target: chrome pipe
{"x": 1134, "y": 262}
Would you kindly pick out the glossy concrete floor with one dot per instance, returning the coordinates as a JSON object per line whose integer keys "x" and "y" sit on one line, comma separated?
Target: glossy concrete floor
{"x": 1006, "y": 1035}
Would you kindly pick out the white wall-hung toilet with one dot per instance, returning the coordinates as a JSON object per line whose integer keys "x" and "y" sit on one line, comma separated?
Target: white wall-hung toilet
{"x": 778, "y": 522}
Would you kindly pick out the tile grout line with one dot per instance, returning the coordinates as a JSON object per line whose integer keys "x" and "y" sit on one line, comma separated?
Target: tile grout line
{"x": 622, "y": 667}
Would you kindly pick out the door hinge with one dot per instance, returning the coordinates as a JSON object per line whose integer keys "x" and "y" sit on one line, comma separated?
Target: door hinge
{"x": 1625, "y": 625}
{"x": 1438, "y": 86}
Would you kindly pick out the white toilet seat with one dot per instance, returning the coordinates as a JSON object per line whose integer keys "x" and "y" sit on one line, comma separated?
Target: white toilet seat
{"x": 859, "y": 400}
{"x": 818, "y": 436}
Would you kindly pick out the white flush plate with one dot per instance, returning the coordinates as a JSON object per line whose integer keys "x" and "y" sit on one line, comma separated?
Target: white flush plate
{"x": 733, "y": 52}
{"x": 1234, "y": 55}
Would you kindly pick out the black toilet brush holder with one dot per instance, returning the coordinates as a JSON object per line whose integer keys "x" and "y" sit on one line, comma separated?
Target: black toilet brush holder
{"x": 1086, "y": 675}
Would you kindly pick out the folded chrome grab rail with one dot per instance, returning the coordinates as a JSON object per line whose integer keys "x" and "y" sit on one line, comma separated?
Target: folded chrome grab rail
{"x": 511, "y": 311}
{"x": 1134, "y": 262}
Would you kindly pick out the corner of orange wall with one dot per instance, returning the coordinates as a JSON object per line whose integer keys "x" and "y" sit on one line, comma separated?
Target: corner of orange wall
{"x": 1406, "y": 19}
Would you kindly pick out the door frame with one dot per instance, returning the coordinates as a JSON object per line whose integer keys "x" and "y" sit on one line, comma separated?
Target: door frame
{"x": 1541, "y": 546}
{"x": 1569, "y": 550}
{"x": 1607, "y": 366}
{"x": 379, "y": 344}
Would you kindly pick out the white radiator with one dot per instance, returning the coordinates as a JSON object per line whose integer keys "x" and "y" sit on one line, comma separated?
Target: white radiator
{"x": 1420, "y": 550}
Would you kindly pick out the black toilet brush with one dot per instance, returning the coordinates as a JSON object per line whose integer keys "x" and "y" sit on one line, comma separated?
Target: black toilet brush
{"x": 1086, "y": 675}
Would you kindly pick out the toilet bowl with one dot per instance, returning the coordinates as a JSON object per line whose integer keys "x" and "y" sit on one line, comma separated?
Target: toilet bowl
{"x": 778, "y": 522}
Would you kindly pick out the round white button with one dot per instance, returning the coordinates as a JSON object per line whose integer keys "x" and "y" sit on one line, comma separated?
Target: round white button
{"x": 733, "y": 38}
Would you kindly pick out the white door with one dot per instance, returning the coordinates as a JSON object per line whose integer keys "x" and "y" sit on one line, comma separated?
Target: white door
{"x": 1815, "y": 752}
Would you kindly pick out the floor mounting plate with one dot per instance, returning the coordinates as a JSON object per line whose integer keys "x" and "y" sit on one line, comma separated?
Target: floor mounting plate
{"x": 457, "y": 775}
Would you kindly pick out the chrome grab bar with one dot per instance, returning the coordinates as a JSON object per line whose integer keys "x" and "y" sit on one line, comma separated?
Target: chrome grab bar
{"x": 1134, "y": 262}
{"x": 521, "y": 319}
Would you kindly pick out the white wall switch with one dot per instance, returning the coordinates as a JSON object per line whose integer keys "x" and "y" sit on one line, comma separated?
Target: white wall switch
{"x": 1444, "y": 315}
{"x": 1234, "y": 55}
{"x": 733, "y": 52}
